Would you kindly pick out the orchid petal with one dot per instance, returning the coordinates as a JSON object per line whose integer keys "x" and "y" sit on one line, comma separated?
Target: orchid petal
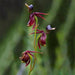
{"x": 33, "y": 26}
{"x": 41, "y": 17}
{"x": 31, "y": 54}
{"x": 27, "y": 63}
{"x": 36, "y": 52}
{"x": 40, "y": 13}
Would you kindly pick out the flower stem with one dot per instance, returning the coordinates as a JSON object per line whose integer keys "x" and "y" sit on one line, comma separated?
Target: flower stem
{"x": 35, "y": 46}
{"x": 35, "y": 33}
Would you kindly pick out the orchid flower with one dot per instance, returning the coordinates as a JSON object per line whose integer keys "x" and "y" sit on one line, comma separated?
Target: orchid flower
{"x": 27, "y": 55}
{"x": 32, "y": 21}
{"x": 43, "y": 36}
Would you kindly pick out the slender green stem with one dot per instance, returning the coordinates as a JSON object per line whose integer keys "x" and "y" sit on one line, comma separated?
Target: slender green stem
{"x": 35, "y": 33}
{"x": 35, "y": 46}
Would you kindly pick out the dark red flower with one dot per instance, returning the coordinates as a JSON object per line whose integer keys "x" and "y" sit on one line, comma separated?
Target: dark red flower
{"x": 32, "y": 20}
{"x": 26, "y": 56}
{"x": 42, "y": 38}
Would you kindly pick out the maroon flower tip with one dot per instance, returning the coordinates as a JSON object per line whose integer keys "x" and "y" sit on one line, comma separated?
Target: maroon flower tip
{"x": 42, "y": 40}
{"x": 31, "y": 20}
{"x": 39, "y": 14}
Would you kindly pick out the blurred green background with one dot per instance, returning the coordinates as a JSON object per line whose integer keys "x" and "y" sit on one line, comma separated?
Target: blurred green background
{"x": 59, "y": 53}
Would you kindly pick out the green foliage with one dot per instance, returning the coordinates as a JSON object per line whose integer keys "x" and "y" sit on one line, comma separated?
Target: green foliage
{"x": 59, "y": 54}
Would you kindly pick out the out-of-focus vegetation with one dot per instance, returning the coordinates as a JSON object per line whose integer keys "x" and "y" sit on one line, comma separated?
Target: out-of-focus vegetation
{"x": 59, "y": 54}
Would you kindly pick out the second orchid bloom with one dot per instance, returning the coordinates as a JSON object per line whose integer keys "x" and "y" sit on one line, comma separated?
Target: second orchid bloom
{"x": 43, "y": 35}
